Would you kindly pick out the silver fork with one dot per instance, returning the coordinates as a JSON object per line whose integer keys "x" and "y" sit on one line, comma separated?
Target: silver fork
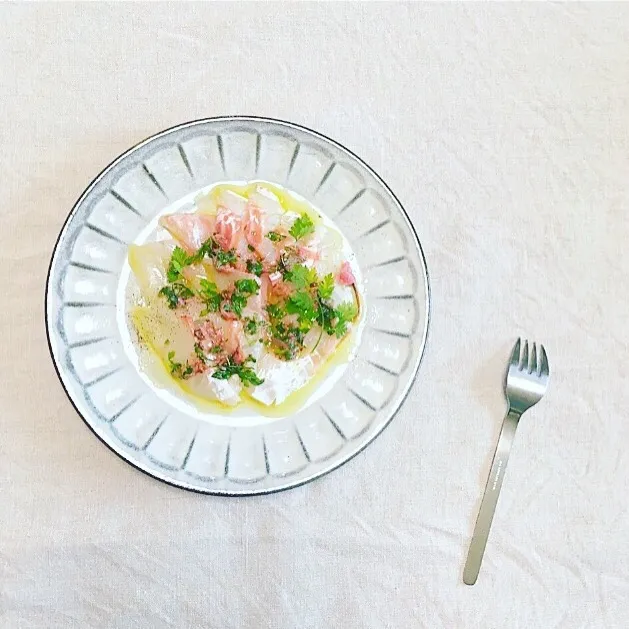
{"x": 527, "y": 379}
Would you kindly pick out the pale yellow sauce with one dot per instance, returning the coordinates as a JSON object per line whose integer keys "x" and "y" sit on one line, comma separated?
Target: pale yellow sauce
{"x": 158, "y": 371}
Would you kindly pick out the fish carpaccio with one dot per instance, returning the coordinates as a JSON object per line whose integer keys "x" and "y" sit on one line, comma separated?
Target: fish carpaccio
{"x": 248, "y": 296}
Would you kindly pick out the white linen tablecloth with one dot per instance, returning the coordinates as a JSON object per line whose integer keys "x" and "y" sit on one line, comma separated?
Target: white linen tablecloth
{"x": 504, "y": 130}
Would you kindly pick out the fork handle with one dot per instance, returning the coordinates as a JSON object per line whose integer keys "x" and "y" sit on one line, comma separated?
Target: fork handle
{"x": 490, "y": 498}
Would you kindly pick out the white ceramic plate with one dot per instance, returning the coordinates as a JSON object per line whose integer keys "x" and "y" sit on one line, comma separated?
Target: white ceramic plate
{"x": 166, "y": 437}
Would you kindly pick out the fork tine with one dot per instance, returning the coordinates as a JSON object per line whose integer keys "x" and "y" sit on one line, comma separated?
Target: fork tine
{"x": 525, "y": 356}
{"x": 544, "y": 369}
{"x": 532, "y": 366}
{"x": 515, "y": 355}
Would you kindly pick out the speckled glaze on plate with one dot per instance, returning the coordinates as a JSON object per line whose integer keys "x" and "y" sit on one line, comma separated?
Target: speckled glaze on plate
{"x": 93, "y": 354}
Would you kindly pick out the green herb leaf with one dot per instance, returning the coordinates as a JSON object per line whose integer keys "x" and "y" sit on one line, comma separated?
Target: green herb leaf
{"x": 198, "y": 350}
{"x": 301, "y": 276}
{"x": 236, "y": 304}
{"x": 210, "y": 296}
{"x": 247, "y": 376}
{"x": 177, "y": 369}
{"x": 344, "y": 314}
{"x": 275, "y": 237}
{"x": 178, "y": 260}
{"x": 303, "y": 305}
{"x": 251, "y": 326}
{"x": 247, "y": 287}
{"x": 225, "y": 258}
{"x": 326, "y": 286}
{"x": 206, "y": 249}
{"x": 242, "y": 290}
{"x": 254, "y": 267}
{"x": 347, "y": 311}
{"x": 174, "y": 293}
{"x": 275, "y": 311}
{"x": 302, "y": 227}
{"x": 328, "y": 317}
{"x": 286, "y": 340}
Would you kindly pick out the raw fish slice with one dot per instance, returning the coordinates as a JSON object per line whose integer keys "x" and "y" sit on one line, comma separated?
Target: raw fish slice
{"x": 225, "y": 391}
{"x": 280, "y": 378}
{"x": 252, "y": 224}
{"x": 225, "y": 278}
{"x": 268, "y": 252}
{"x": 191, "y": 230}
{"x": 329, "y": 244}
{"x": 270, "y": 208}
{"x": 149, "y": 263}
{"x": 231, "y": 201}
{"x": 228, "y": 229}
{"x": 162, "y": 329}
{"x": 342, "y": 295}
{"x": 326, "y": 347}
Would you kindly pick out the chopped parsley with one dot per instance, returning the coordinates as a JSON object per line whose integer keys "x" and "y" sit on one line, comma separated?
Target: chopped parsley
{"x": 347, "y": 311}
{"x": 198, "y": 350}
{"x": 243, "y": 289}
{"x": 211, "y": 297}
{"x": 274, "y": 311}
{"x": 254, "y": 267}
{"x": 287, "y": 340}
{"x": 247, "y": 286}
{"x": 206, "y": 249}
{"x": 275, "y": 237}
{"x": 211, "y": 249}
{"x": 174, "y": 293}
{"x": 225, "y": 258}
{"x": 251, "y": 326}
{"x": 177, "y": 369}
{"x": 302, "y": 227}
{"x": 247, "y": 376}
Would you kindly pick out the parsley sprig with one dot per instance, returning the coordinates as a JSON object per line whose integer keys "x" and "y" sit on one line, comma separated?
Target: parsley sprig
{"x": 303, "y": 226}
{"x": 326, "y": 286}
{"x": 178, "y": 261}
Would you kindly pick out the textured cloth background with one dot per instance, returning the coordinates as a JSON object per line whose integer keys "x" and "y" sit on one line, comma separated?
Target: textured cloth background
{"x": 504, "y": 130}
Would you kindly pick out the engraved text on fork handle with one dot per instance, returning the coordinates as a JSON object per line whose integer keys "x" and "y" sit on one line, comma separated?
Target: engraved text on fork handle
{"x": 490, "y": 498}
